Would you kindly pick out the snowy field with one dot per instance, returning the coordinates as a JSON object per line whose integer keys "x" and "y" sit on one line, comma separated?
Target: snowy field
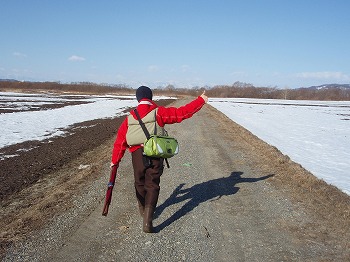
{"x": 25, "y": 125}
{"x": 315, "y": 134}
{"x": 312, "y": 133}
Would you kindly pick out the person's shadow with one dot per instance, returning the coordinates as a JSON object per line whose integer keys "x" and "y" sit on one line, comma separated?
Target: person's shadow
{"x": 210, "y": 190}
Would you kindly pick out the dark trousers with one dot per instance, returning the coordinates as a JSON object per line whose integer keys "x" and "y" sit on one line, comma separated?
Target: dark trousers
{"x": 147, "y": 172}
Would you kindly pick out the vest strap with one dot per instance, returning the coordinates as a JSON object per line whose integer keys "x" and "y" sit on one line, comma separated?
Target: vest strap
{"x": 142, "y": 124}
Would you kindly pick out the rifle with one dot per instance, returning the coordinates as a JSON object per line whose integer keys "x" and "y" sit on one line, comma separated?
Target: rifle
{"x": 109, "y": 190}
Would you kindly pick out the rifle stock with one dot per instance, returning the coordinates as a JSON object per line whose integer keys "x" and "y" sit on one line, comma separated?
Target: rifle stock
{"x": 109, "y": 190}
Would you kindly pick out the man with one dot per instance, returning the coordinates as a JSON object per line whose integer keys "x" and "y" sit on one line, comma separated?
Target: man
{"x": 147, "y": 171}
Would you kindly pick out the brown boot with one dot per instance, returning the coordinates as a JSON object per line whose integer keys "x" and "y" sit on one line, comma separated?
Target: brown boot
{"x": 147, "y": 220}
{"x": 141, "y": 209}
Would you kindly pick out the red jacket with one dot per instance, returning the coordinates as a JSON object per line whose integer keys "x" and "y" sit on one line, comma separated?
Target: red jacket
{"x": 165, "y": 115}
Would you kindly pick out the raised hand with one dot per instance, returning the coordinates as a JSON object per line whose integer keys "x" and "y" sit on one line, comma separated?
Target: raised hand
{"x": 204, "y": 97}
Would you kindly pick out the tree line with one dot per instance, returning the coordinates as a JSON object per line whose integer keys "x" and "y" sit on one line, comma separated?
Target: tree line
{"x": 236, "y": 90}
{"x": 242, "y": 90}
{"x": 74, "y": 87}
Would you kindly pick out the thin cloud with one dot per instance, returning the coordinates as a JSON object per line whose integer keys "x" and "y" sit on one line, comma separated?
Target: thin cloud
{"x": 119, "y": 77}
{"x": 76, "y": 58}
{"x": 324, "y": 75}
{"x": 239, "y": 73}
{"x": 18, "y": 54}
{"x": 185, "y": 68}
{"x": 153, "y": 68}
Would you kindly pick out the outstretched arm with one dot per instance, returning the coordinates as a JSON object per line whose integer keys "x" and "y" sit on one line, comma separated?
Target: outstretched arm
{"x": 171, "y": 115}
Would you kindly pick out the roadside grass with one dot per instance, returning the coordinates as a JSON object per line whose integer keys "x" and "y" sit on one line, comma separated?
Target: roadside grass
{"x": 327, "y": 205}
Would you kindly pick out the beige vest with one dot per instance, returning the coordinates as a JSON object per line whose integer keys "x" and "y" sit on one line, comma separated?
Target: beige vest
{"x": 135, "y": 134}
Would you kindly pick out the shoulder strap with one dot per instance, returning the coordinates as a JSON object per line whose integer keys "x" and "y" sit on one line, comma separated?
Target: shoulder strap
{"x": 155, "y": 122}
{"x": 142, "y": 124}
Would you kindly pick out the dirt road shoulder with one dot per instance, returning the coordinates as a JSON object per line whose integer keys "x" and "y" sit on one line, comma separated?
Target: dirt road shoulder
{"x": 227, "y": 195}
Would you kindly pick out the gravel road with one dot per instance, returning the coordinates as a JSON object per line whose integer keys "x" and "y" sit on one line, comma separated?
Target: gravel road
{"x": 219, "y": 202}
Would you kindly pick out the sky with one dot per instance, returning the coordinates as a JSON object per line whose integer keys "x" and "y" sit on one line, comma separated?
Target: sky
{"x": 270, "y": 43}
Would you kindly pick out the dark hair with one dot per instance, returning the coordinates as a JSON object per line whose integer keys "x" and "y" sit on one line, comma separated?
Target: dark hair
{"x": 144, "y": 92}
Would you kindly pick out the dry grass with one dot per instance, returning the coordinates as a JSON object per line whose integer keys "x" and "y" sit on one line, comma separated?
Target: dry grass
{"x": 327, "y": 206}
{"x": 34, "y": 206}
{"x": 31, "y": 207}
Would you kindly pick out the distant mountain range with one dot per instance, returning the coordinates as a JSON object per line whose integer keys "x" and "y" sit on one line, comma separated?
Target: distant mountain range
{"x": 330, "y": 86}
{"x": 8, "y": 80}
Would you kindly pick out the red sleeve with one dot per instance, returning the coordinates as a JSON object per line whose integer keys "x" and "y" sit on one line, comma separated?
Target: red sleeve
{"x": 171, "y": 115}
{"x": 120, "y": 144}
